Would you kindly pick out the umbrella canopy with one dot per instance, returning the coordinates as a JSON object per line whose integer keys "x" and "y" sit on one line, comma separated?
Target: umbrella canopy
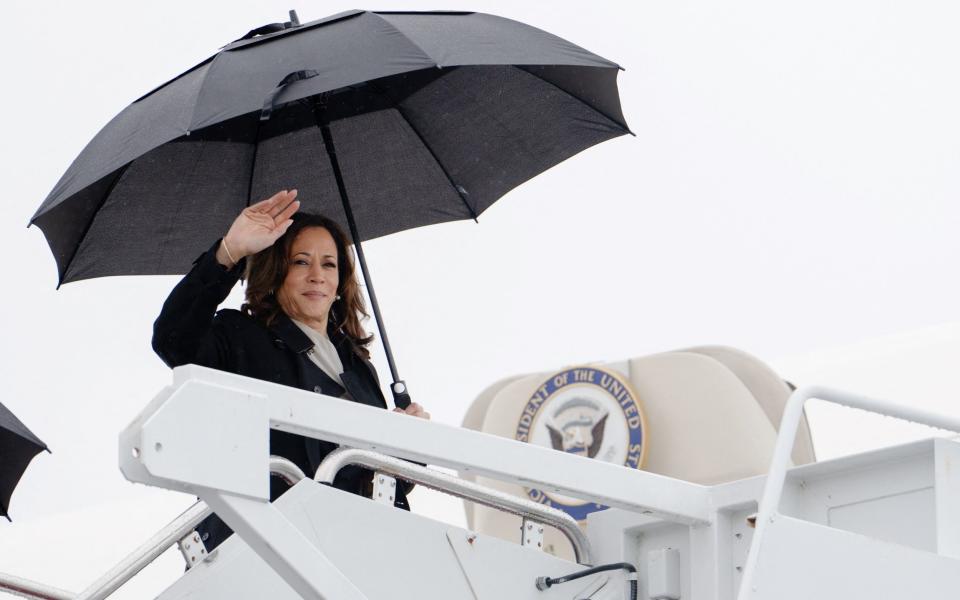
{"x": 383, "y": 121}
{"x": 434, "y": 116}
{"x": 18, "y": 446}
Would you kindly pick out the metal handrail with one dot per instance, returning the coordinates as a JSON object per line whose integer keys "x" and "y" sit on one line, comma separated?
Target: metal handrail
{"x": 26, "y": 588}
{"x": 142, "y": 556}
{"x": 454, "y": 486}
{"x": 286, "y": 470}
{"x": 170, "y": 535}
{"x": 146, "y": 553}
{"x": 769, "y": 507}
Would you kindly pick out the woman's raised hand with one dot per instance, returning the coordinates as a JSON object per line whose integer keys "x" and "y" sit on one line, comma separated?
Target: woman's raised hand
{"x": 258, "y": 227}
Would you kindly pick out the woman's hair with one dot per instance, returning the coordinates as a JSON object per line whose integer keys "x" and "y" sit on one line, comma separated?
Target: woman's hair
{"x": 267, "y": 270}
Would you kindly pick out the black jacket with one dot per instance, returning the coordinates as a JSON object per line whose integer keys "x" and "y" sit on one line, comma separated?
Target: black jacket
{"x": 191, "y": 330}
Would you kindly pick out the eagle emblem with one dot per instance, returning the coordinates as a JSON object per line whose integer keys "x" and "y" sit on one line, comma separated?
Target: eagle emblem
{"x": 577, "y": 428}
{"x": 589, "y": 412}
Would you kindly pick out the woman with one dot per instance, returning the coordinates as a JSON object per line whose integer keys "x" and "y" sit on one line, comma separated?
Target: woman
{"x": 300, "y": 324}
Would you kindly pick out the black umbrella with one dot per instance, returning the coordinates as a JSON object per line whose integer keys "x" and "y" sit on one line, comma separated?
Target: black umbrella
{"x": 18, "y": 446}
{"x": 420, "y": 118}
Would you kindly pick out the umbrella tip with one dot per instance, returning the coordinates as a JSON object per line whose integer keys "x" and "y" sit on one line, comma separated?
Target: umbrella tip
{"x": 294, "y": 19}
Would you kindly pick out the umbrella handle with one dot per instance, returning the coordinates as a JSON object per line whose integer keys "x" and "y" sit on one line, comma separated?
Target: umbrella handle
{"x": 401, "y": 397}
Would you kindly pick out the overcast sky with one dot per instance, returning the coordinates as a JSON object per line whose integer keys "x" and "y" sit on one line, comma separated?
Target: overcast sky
{"x": 792, "y": 190}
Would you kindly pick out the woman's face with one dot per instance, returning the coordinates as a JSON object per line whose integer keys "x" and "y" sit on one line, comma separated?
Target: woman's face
{"x": 310, "y": 287}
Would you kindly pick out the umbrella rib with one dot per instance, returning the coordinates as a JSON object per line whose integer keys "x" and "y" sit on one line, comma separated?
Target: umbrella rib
{"x": 405, "y": 36}
{"x": 93, "y": 217}
{"x": 196, "y": 101}
{"x": 423, "y": 142}
{"x": 622, "y": 128}
{"x": 165, "y": 84}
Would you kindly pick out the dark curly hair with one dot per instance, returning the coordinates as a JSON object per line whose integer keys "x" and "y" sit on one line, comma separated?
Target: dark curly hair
{"x": 267, "y": 270}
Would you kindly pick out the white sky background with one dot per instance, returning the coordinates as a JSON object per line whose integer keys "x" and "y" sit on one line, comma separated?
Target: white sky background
{"x": 792, "y": 189}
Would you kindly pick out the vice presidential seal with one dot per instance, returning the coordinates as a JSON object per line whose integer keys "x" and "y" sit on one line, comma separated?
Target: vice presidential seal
{"x": 589, "y": 412}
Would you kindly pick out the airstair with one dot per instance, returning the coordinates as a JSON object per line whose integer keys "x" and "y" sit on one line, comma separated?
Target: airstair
{"x": 881, "y": 524}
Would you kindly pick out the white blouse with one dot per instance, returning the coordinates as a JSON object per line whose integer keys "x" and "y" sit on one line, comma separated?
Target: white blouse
{"x": 324, "y": 353}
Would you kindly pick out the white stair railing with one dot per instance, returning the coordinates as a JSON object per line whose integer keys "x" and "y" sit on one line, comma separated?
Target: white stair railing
{"x": 26, "y": 588}
{"x": 769, "y": 507}
{"x": 136, "y": 561}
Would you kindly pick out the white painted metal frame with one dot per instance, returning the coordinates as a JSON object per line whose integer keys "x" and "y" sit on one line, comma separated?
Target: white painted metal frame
{"x": 157, "y": 544}
{"x": 176, "y": 443}
{"x": 793, "y": 412}
{"x": 145, "y": 554}
{"x": 359, "y": 426}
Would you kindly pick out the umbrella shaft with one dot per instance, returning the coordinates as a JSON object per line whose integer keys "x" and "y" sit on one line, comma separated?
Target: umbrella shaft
{"x": 351, "y": 223}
